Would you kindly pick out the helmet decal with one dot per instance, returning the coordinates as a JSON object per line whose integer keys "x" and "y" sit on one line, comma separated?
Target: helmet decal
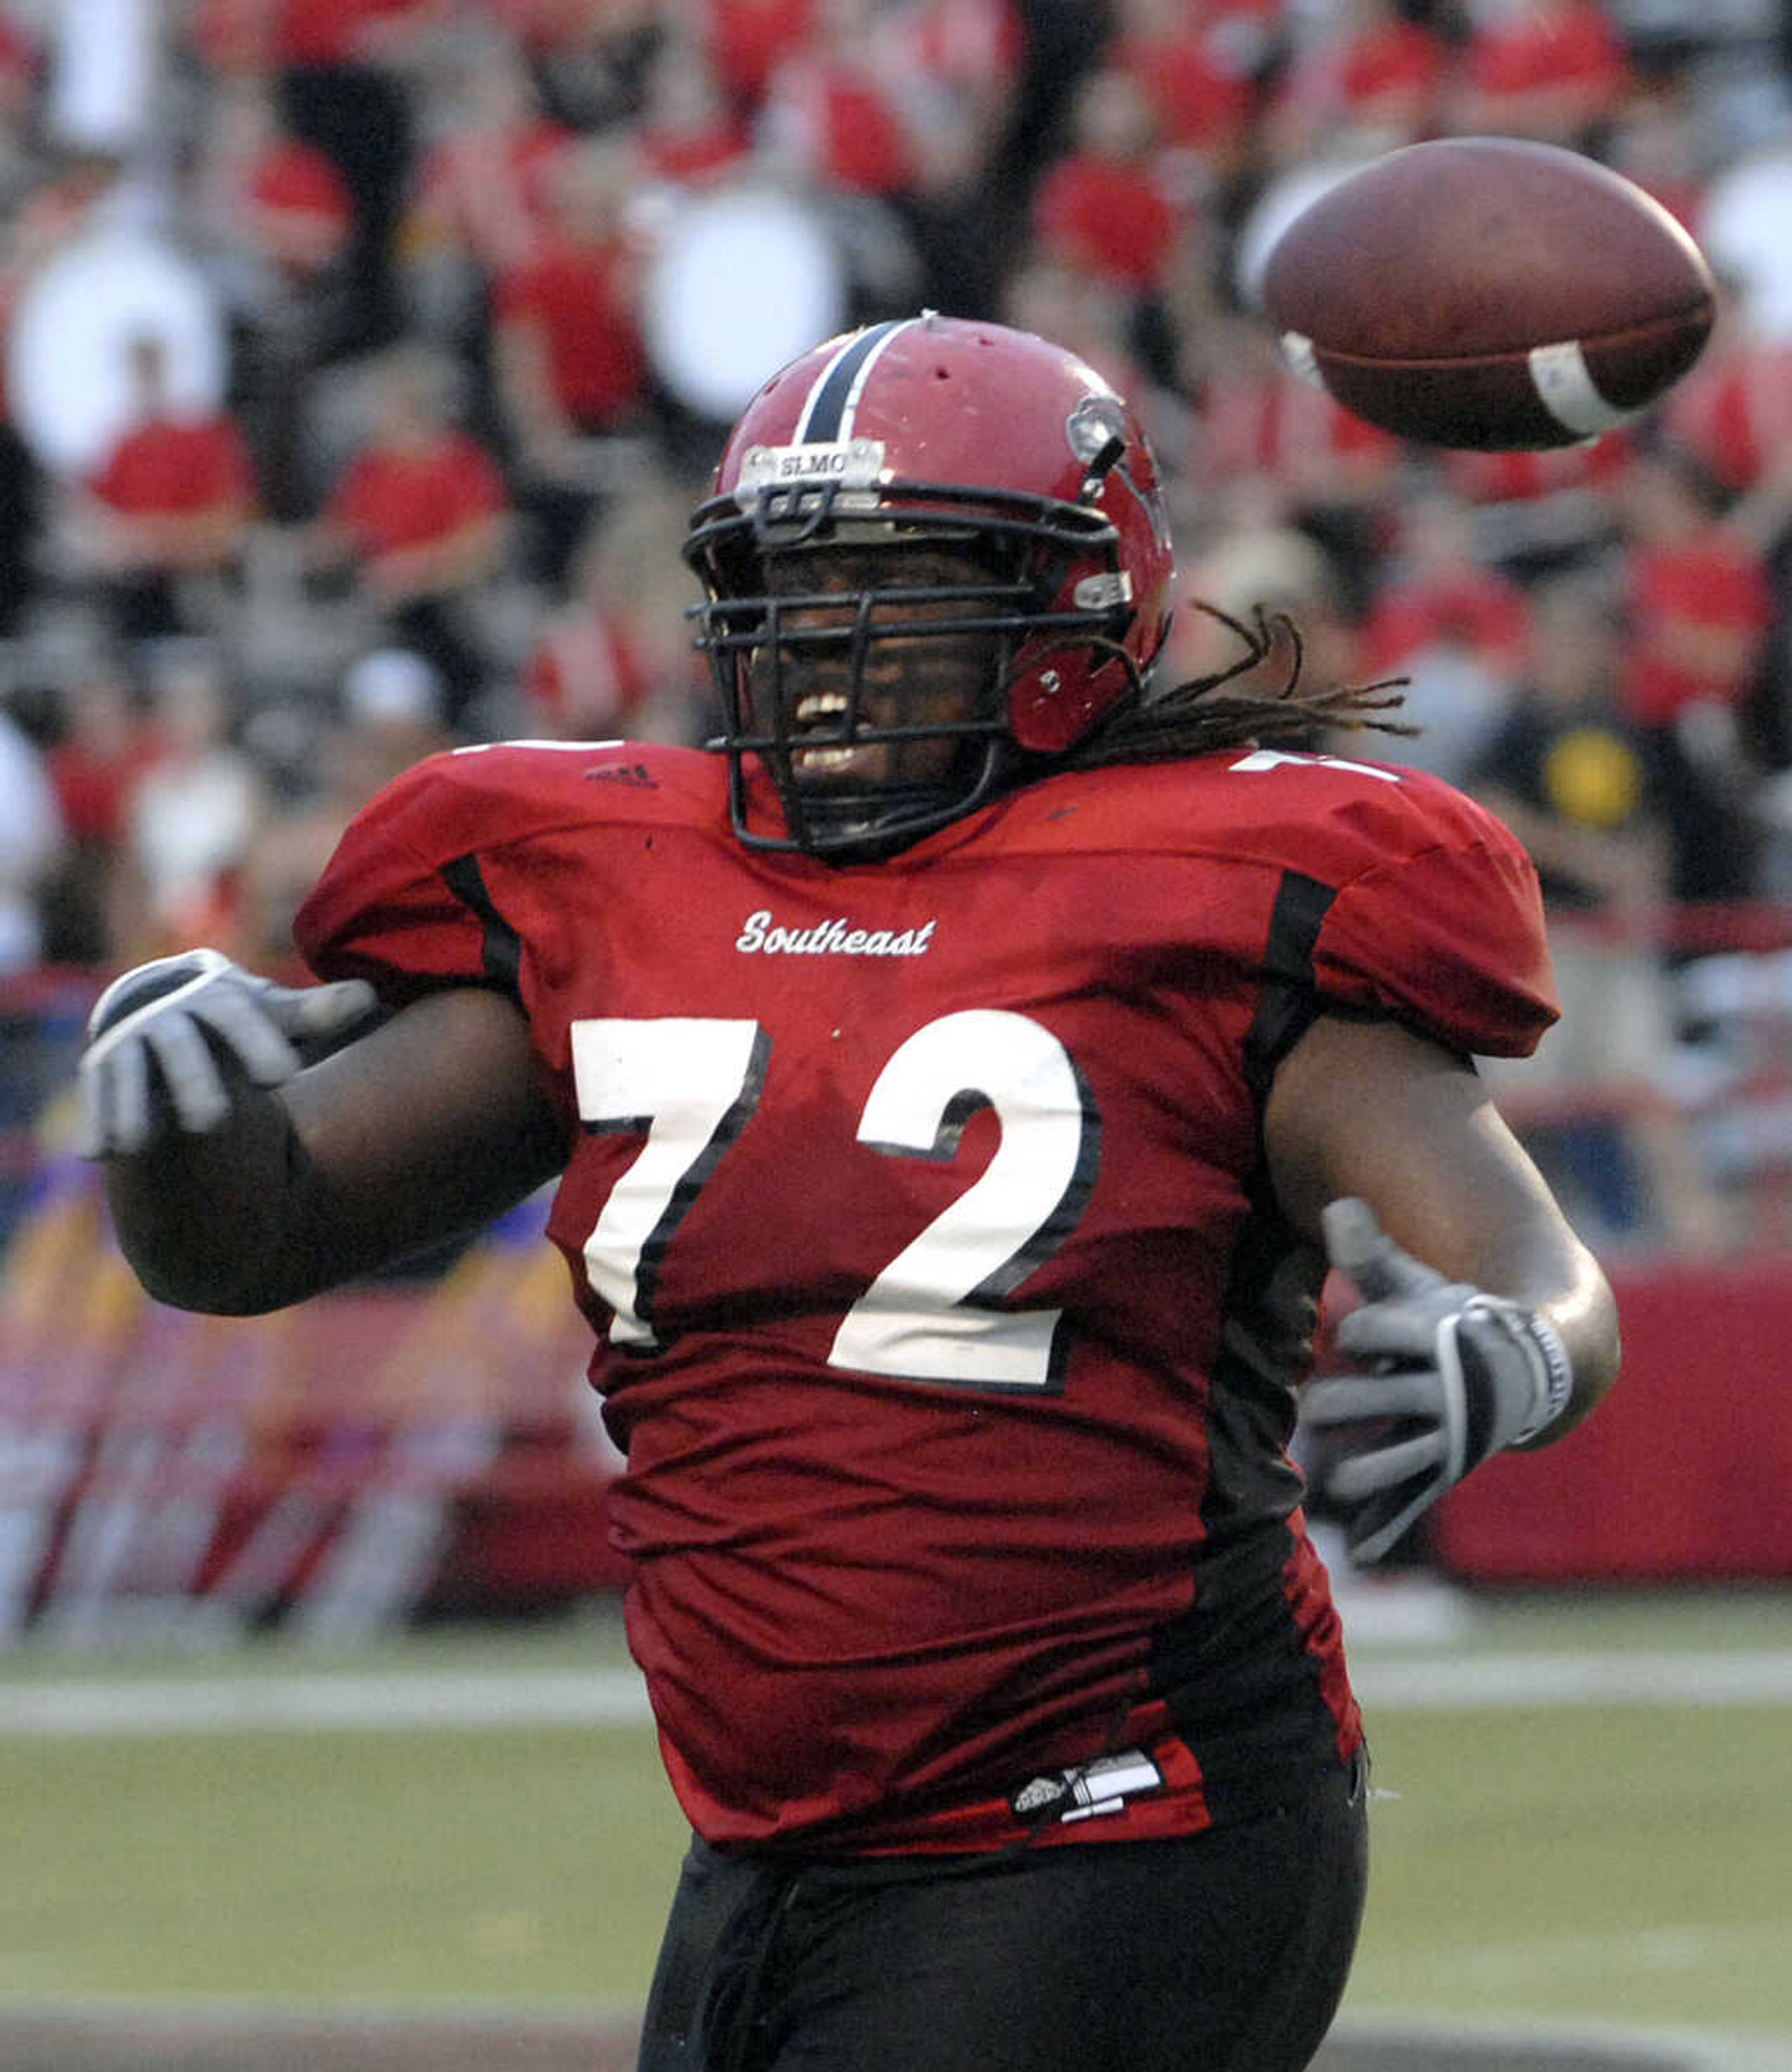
{"x": 828, "y": 415}
{"x": 851, "y": 466}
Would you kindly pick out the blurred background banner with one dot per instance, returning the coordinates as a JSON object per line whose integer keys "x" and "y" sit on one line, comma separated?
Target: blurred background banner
{"x": 1685, "y": 1481}
{"x": 386, "y": 1454}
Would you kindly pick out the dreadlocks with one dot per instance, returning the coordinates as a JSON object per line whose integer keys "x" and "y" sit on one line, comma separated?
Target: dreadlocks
{"x": 1192, "y": 720}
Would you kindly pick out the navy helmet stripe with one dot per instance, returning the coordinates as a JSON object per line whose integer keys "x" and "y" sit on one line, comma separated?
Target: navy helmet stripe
{"x": 828, "y": 415}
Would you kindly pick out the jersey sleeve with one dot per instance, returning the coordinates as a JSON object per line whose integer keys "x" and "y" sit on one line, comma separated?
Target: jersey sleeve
{"x": 400, "y": 902}
{"x": 1441, "y": 926}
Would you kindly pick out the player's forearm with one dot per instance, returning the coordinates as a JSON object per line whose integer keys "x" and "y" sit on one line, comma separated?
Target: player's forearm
{"x": 222, "y": 1221}
{"x": 1447, "y": 1178}
{"x": 412, "y": 1137}
{"x": 1583, "y": 1312}
{"x": 1503, "y": 1235}
{"x": 1507, "y": 1236}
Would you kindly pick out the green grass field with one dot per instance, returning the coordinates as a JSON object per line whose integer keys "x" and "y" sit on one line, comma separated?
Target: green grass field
{"x": 1549, "y": 1844}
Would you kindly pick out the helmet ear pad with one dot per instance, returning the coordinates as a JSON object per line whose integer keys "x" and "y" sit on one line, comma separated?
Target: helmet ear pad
{"x": 1062, "y": 683}
{"x": 1057, "y": 691}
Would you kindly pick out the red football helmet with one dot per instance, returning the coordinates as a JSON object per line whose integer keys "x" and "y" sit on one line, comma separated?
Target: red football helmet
{"x": 987, "y": 451}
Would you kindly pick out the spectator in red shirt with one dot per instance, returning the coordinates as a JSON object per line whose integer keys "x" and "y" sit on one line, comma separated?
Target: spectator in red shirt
{"x": 273, "y": 220}
{"x": 295, "y": 206}
{"x": 1696, "y": 592}
{"x": 1732, "y": 413}
{"x": 616, "y": 657}
{"x": 1287, "y": 447}
{"x": 21, "y": 71}
{"x": 338, "y": 66}
{"x": 1197, "y": 74}
{"x": 588, "y": 675}
{"x": 1540, "y": 511}
{"x": 957, "y": 65}
{"x": 689, "y": 135}
{"x": 1548, "y": 69}
{"x": 1372, "y": 80}
{"x": 388, "y": 715}
{"x": 103, "y": 742}
{"x": 420, "y": 517}
{"x": 832, "y": 116}
{"x": 483, "y": 196}
{"x": 571, "y": 365}
{"x": 1105, "y": 211}
{"x": 192, "y": 812}
{"x": 164, "y": 517}
{"x": 1457, "y": 628}
{"x": 260, "y": 196}
{"x": 748, "y": 40}
{"x": 1441, "y": 592}
{"x": 1100, "y": 209}
{"x": 1698, "y": 605}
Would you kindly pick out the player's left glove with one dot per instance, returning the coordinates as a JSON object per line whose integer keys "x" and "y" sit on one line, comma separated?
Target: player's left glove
{"x": 1450, "y": 1375}
{"x": 170, "y": 1044}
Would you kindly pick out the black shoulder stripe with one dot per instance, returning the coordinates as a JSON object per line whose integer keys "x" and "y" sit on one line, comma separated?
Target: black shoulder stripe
{"x": 501, "y": 951}
{"x": 1288, "y": 999}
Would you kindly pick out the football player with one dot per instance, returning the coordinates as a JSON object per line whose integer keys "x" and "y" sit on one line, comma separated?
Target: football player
{"x": 958, "y": 1083}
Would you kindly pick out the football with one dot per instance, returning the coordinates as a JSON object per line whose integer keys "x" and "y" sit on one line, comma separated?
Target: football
{"x": 1488, "y": 292}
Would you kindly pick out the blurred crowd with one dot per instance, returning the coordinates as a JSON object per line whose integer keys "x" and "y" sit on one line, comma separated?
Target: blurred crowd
{"x": 363, "y": 359}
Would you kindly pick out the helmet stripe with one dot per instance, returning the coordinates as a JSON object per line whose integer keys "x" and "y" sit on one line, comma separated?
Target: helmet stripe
{"x": 828, "y": 414}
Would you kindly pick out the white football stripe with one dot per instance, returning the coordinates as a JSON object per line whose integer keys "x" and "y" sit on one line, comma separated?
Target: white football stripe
{"x": 1566, "y": 389}
{"x": 1297, "y": 351}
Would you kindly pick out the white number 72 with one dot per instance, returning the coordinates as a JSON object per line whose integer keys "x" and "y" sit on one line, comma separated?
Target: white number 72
{"x": 693, "y": 1086}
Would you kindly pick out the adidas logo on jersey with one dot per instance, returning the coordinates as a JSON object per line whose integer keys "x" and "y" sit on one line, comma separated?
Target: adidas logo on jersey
{"x": 1088, "y": 1791}
{"x": 624, "y": 773}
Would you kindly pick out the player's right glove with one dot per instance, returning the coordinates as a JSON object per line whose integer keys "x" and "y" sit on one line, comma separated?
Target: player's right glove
{"x": 169, "y": 1043}
{"x": 1448, "y": 1375}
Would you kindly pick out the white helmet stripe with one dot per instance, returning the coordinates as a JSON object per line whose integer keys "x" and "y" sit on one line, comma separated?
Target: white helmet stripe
{"x": 828, "y": 415}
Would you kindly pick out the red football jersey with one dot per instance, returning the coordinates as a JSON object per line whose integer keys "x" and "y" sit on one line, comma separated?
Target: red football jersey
{"x": 942, "y": 1311}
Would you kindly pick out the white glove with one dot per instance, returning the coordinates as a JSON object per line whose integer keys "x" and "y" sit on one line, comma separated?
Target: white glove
{"x": 169, "y": 1042}
{"x": 1450, "y": 1376}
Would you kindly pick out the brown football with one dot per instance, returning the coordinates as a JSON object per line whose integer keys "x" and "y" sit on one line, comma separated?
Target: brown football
{"x": 1488, "y": 292}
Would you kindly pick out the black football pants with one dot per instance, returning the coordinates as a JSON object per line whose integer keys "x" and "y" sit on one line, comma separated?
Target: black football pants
{"x": 1226, "y": 1952}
